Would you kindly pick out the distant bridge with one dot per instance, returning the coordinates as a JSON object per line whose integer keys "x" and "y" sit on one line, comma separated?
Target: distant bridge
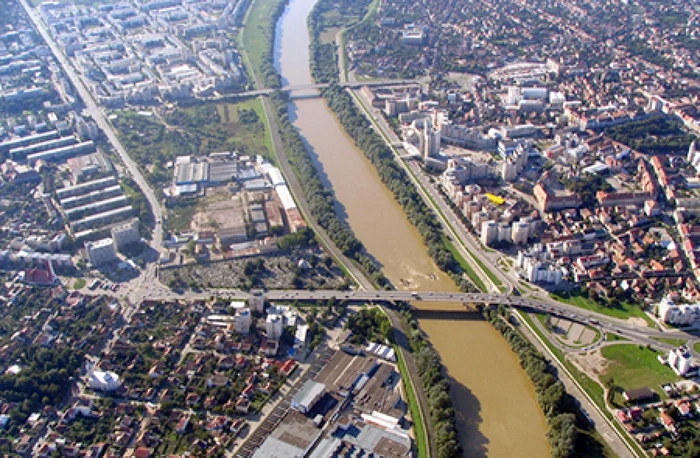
{"x": 312, "y": 90}
{"x": 422, "y": 296}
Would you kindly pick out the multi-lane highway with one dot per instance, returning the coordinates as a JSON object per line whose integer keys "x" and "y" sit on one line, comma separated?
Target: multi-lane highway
{"x": 571, "y": 312}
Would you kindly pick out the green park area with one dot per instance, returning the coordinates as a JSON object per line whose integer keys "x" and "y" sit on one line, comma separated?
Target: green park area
{"x": 257, "y": 36}
{"x": 635, "y": 366}
{"x": 155, "y": 140}
{"x": 697, "y": 347}
{"x": 613, "y": 308}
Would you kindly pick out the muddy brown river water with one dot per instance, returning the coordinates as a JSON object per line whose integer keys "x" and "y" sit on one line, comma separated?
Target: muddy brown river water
{"x": 498, "y": 415}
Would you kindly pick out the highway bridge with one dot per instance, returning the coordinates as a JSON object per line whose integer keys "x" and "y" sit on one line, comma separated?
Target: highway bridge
{"x": 311, "y": 90}
{"x": 570, "y": 312}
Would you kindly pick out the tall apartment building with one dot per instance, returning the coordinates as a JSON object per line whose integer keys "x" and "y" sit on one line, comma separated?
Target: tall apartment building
{"x": 125, "y": 234}
{"x": 101, "y": 252}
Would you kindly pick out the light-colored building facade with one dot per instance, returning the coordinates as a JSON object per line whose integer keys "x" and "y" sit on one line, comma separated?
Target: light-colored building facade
{"x": 678, "y": 314}
{"x": 126, "y": 234}
{"x": 101, "y": 252}
{"x": 489, "y": 232}
{"x": 104, "y": 381}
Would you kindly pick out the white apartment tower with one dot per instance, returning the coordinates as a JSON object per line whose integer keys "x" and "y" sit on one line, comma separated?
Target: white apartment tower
{"x": 489, "y": 232}
{"x": 125, "y": 234}
{"x": 101, "y": 252}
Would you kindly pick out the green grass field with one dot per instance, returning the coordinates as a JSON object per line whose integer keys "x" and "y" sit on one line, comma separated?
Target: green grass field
{"x": 465, "y": 266}
{"x": 697, "y": 347}
{"x": 633, "y": 366}
{"x": 256, "y": 34}
{"x": 624, "y": 310}
{"x": 419, "y": 429}
{"x": 253, "y": 137}
{"x": 79, "y": 283}
{"x": 670, "y": 341}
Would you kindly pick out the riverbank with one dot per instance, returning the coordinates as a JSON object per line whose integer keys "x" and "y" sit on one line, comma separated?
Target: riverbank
{"x": 482, "y": 405}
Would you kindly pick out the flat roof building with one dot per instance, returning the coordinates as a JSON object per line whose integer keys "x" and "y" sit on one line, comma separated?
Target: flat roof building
{"x": 308, "y": 395}
{"x": 84, "y": 188}
{"x": 101, "y": 252}
{"x": 126, "y": 234}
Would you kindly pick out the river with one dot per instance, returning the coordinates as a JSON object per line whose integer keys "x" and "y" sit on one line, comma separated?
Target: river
{"x": 497, "y": 409}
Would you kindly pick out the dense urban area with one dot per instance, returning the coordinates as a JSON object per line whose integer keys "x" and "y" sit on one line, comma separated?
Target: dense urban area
{"x": 182, "y": 274}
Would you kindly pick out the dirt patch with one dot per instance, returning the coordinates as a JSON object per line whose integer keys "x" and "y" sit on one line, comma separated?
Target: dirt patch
{"x": 638, "y": 321}
{"x": 592, "y": 363}
{"x": 587, "y": 337}
{"x": 221, "y": 210}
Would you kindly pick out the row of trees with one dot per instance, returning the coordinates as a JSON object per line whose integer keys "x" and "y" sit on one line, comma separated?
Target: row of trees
{"x": 398, "y": 182}
{"x": 271, "y": 78}
{"x": 556, "y": 404}
{"x": 437, "y": 389}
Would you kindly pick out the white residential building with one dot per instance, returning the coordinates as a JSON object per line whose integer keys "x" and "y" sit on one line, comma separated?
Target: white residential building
{"x": 543, "y": 272}
{"x": 679, "y": 361}
{"x": 693, "y": 157}
{"x": 504, "y": 232}
{"x": 101, "y": 252}
{"x": 534, "y": 266}
{"x": 678, "y": 314}
{"x": 520, "y": 233}
{"x": 126, "y": 234}
{"x": 242, "y": 321}
{"x": 104, "y": 381}
{"x": 489, "y": 233}
{"x": 273, "y": 326}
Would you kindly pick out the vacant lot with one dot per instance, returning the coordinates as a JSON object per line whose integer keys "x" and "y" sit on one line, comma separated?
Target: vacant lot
{"x": 274, "y": 271}
{"x": 634, "y": 366}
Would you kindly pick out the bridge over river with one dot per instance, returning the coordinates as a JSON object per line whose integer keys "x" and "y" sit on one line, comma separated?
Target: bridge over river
{"x": 311, "y": 90}
{"x": 571, "y": 312}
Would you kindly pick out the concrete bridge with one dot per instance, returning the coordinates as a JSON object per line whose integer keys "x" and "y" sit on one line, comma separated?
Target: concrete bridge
{"x": 571, "y": 312}
{"x": 306, "y": 91}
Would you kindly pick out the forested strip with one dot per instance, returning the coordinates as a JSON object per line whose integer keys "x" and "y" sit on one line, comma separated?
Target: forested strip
{"x": 324, "y": 60}
{"x": 272, "y": 78}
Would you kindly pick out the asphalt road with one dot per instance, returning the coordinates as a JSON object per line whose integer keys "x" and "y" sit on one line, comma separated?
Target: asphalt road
{"x": 98, "y": 115}
{"x": 601, "y": 422}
